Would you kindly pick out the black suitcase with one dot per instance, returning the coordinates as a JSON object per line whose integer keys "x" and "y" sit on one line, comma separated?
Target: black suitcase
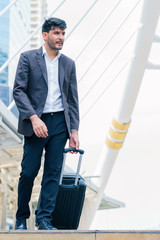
{"x": 70, "y": 198}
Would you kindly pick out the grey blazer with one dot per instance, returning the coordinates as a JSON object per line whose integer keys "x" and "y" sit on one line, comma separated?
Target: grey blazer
{"x": 31, "y": 88}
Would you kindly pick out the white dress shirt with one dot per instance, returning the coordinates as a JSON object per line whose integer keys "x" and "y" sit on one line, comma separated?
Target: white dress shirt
{"x": 54, "y": 97}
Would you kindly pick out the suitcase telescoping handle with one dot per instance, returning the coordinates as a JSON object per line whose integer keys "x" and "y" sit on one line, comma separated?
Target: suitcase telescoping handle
{"x": 66, "y": 150}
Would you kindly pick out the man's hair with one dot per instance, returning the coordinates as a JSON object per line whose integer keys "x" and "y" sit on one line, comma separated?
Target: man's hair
{"x": 51, "y": 23}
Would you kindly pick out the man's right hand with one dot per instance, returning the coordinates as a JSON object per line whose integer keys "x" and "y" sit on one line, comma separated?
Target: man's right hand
{"x": 39, "y": 126}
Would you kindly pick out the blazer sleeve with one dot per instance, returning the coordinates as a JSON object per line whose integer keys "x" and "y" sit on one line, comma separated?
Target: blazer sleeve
{"x": 20, "y": 88}
{"x": 73, "y": 100}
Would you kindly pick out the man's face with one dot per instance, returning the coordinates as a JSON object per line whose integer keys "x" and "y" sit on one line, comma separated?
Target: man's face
{"x": 55, "y": 38}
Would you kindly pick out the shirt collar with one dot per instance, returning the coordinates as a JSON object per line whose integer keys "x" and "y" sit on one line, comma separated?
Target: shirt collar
{"x": 44, "y": 52}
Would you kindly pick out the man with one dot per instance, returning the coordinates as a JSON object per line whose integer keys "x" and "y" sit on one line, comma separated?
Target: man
{"x": 45, "y": 92}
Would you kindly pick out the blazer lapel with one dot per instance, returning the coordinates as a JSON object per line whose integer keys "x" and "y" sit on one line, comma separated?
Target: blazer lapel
{"x": 42, "y": 64}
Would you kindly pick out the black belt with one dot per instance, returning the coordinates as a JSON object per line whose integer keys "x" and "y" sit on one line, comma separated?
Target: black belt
{"x": 53, "y": 113}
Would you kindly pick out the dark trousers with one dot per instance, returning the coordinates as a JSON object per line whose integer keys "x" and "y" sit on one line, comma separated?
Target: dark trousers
{"x": 31, "y": 162}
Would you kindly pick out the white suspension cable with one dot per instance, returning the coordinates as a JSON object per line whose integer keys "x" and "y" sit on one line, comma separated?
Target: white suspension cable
{"x": 98, "y": 29}
{"x": 112, "y": 61}
{"x": 112, "y": 36}
{"x": 105, "y": 89}
{"x": 86, "y": 13}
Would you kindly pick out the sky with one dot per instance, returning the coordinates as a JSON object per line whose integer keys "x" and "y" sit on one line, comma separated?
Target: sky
{"x": 135, "y": 177}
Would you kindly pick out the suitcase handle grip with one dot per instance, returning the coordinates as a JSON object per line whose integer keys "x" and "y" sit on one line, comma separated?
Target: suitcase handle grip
{"x": 66, "y": 150}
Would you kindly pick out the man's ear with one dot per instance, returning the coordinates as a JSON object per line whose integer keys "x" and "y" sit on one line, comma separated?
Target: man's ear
{"x": 45, "y": 35}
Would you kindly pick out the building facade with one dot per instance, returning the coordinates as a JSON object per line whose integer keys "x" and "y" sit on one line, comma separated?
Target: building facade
{"x": 15, "y": 26}
{"x": 4, "y": 52}
{"x": 38, "y": 14}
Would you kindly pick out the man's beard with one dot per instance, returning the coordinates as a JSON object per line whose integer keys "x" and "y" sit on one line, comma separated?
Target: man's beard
{"x": 53, "y": 47}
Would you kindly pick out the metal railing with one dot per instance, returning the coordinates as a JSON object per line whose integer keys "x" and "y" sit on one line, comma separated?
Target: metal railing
{"x": 8, "y": 7}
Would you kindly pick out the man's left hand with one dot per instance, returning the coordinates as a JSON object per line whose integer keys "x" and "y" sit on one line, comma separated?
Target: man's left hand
{"x": 74, "y": 140}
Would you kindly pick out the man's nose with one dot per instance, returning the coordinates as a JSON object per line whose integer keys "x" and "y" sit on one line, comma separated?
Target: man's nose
{"x": 61, "y": 36}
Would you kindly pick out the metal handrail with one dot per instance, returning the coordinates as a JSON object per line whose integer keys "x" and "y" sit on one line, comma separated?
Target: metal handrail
{"x": 11, "y": 105}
